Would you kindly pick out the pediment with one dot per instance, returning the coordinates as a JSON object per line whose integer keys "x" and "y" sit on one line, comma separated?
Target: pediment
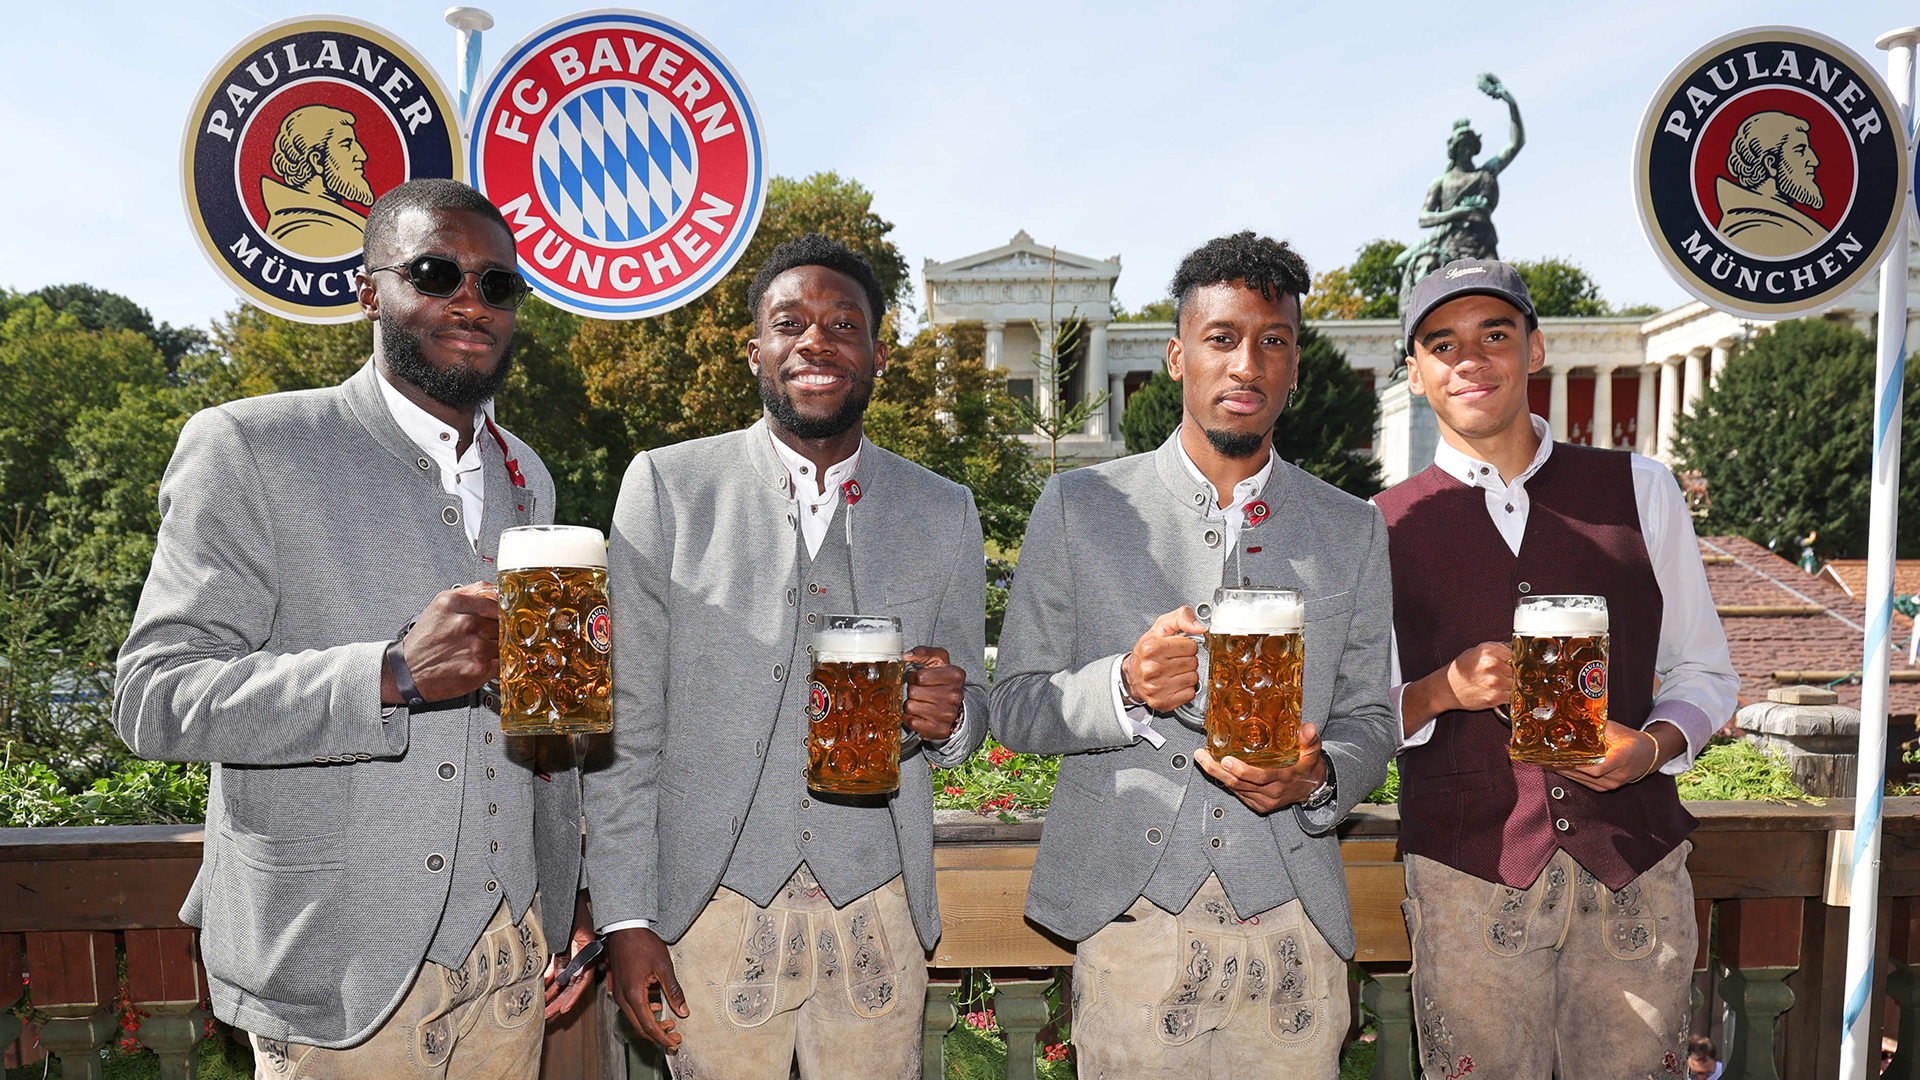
{"x": 1023, "y": 257}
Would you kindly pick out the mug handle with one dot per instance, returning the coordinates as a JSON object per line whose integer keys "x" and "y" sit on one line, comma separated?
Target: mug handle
{"x": 1194, "y": 713}
{"x": 909, "y": 738}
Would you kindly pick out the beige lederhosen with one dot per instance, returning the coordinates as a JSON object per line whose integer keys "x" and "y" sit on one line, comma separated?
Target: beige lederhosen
{"x": 482, "y": 1022}
{"x": 1564, "y": 978}
{"x": 1207, "y": 994}
{"x": 842, "y": 989}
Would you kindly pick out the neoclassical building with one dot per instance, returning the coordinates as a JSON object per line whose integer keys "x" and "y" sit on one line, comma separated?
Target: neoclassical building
{"x": 1614, "y": 381}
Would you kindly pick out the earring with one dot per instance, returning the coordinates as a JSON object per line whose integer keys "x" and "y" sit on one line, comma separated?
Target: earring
{"x": 1291, "y": 392}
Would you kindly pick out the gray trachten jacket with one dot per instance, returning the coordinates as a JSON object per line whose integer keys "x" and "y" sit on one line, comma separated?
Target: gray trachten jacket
{"x": 1109, "y": 549}
{"x": 703, "y": 562}
{"x": 299, "y": 532}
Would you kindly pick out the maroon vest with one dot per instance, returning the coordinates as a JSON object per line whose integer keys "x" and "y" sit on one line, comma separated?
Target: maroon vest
{"x": 1463, "y": 802}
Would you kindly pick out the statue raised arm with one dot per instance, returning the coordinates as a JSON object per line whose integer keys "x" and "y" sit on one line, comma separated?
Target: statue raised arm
{"x": 1458, "y": 211}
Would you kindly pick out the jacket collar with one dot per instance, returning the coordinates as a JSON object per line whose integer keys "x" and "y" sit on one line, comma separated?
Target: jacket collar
{"x": 1193, "y": 494}
{"x": 773, "y": 472}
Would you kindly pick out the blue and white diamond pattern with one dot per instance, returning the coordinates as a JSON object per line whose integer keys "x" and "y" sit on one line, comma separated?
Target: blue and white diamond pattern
{"x": 615, "y": 164}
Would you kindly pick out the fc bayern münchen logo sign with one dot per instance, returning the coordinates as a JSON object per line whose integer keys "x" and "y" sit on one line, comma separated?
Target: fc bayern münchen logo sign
{"x": 1770, "y": 172}
{"x": 628, "y": 159}
{"x": 293, "y": 136}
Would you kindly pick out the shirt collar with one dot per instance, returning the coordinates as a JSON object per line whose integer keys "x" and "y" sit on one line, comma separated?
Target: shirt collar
{"x": 1242, "y": 491}
{"x": 805, "y": 489}
{"x": 425, "y": 429}
{"x": 1472, "y": 471}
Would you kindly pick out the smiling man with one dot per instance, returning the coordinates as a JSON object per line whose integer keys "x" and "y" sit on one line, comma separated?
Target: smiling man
{"x": 384, "y": 869}
{"x": 1550, "y": 909}
{"x": 796, "y": 922}
{"x": 1207, "y": 895}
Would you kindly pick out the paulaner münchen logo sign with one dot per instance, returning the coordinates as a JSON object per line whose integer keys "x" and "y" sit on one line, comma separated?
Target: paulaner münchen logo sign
{"x": 1770, "y": 171}
{"x": 293, "y": 136}
{"x": 628, "y": 159}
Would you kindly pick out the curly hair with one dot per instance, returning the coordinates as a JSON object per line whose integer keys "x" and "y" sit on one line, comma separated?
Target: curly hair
{"x": 429, "y": 194}
{"x": 1265, "y": 264}
{"x": 814, "y": 249}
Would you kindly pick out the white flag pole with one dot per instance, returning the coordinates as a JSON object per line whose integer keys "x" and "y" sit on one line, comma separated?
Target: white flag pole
{"x": 1857, "y": 1059}
{"x": 467, "y": 23}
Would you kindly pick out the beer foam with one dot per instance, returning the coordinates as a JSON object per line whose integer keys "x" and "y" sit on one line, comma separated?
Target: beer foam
{"x": 1277, "y": 614}
{"x": 551, "y": 545}
{"x": 859, "y": 646}
{"x": 1541, "y": 619}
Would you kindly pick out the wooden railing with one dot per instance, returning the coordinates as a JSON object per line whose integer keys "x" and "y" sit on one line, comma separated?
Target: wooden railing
{"x": 74, "y": 900}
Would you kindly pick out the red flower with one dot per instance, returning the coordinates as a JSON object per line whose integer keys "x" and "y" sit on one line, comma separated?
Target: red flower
{"x": 999, "y": 755}
{"x": 951, "y": 790}
{"x": 1057, "y": 1052}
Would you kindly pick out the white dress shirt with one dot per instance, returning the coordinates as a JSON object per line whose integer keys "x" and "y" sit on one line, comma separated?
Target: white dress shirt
{"x": 816, "y": 507}
{"x": 1138, "y": 719}
{"x": 461, "y": 474}
{"x": 1698, "y": 688}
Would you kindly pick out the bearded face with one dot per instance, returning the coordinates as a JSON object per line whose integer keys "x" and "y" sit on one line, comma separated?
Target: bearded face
{"x": 1795, "y": 175}
{"x": 342, "y": 167}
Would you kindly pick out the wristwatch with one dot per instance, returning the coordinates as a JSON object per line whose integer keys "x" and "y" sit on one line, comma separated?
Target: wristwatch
{"x": 402, "y": 675}
{"x": 1328, "y": 790}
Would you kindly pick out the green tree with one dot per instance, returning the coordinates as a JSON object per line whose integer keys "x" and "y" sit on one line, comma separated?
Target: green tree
{"x": 1367, "y": 289}
{"x": 98, "y": 309}
{"x": 1784, "y": 439}
{"x": 1558, "y": 288}
{"x": 267, "y": 354}
{"x": 1152, "y": 311}
{"x": 1324, "y": 431}
{"x": 938, "y": 405}
{"x": 684, "y": 374}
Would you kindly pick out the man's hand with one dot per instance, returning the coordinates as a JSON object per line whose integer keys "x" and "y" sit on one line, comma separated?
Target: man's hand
{"x": 1631, "y": 754}
{"x": 454, "y": 646}
{"x": 1480, "y": 678}
{"x": 1163, "y": 669}
{"x": 935, "y": 694}
{"x": 560, "y": 1000}
{"x": 638, "y": 959}
{"x": 1267, "y": 790}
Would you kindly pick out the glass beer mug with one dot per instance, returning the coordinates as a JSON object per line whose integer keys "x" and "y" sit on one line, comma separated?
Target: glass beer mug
{"x": 1560, "y": 680}
{"x": 1250, "y": 671}
{"x": 555, "y": 633}
{"x": 855, "y": 703}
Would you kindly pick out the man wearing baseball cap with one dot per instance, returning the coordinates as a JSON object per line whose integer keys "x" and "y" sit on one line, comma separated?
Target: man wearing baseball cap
{"x": 1550, "y": 909}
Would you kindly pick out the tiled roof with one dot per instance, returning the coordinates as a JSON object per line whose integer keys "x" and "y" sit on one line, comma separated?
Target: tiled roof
{"x": 1852, "y": 574}
{"x": 1741, "y": 573}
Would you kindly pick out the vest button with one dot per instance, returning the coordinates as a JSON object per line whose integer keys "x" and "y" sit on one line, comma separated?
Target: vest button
{"x": 1562, "y": 825}
{"x": 1212, "y": 538}
{"x": 447, "y": 770}
{"x": 806, "y": 804}
{"x": 792, "y": 594}
{"x": 1214, "y": 843}
{"x": 1559, "y": 792}
{"x": 812, "y": 618}
{"x": 451, "y": 515}
{"x": 759, "y": 747}
{"x": 1204, "y": 611}
{"x": 490, "y": 773}
{"x": 1153, "y": 836}
{"x": 493, "y": 886}
{"x": 1179, "y": 761}
{"x": 733, "y": 825}
{"x": 493, "y": 808}
{"x": 493, "y": 846}
{"x": 1526, "y": 587}
{"x": 489, "y": 738}
{"x": 813, "y": 587}
{"x": 806, "y": 836}
{"x": 779, "y": 672}
{"x": 435, "y": 863}
{"x": 424, "y": 464}
{"x": 1219, "y": 813}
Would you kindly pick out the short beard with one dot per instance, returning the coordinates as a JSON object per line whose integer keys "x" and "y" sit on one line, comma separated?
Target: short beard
{"x": 780, "y": 406}
{"x": 455, "y": 387}
{"x": 1238, "y": 445}
{"x": 1802, "y": 190}
{"x": 343, "y": 182}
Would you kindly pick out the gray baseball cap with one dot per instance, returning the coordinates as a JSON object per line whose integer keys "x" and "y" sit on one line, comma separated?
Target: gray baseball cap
{"x": 1464, "y": 277}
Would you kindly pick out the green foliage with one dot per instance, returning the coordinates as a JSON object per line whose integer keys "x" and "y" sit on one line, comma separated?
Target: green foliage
{"x": 939, "y": 406}
{"x": 1062, "y": 350}
{"x": 545, "y": 402}
{"x": 1152, "y": 413}
{"x": 1784, "y": 439}
{"x": 995, "y": 780}
{"x": 1152, "y": 311}
{"x": 1388, "y": 792}
{"x": 1736, "y": 769}
{"x": 1368, "y": 289}
{"x": 1558, "y": 287}
{"x": 140, "y": 793}
{"x": 98, "y": 309}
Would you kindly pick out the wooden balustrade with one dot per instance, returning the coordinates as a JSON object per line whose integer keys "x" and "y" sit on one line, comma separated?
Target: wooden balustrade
{"x": 77, "y": 899}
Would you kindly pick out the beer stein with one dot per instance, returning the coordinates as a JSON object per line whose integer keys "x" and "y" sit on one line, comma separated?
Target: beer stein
{"x": 1248, "y": 700}
{"x": 855, "y": 703}
{"x": 1559, "y": 680}
{"x": 555, "y": 634}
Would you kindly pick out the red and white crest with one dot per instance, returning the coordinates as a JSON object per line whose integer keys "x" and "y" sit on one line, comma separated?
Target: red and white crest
{"x": 628, "y": 158}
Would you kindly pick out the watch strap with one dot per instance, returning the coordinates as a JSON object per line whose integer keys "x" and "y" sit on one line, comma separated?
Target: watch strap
{"x": 402, "y": 676}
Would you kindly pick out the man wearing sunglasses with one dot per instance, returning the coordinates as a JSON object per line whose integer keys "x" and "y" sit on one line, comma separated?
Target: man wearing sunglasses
{"x": 319, "y": 623}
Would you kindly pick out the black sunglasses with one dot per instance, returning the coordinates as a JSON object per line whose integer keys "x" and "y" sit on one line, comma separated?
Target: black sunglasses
{"x": 437, "y": 275}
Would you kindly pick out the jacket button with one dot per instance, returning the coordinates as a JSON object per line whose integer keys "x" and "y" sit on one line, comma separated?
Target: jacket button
{"x": 1212, "y": 538}
{"x": 451, "y": 515}
{"x": 806, "y": 836}
{"x": 493, "y": 808}
{"x": 1245, "y": 581}
{"x": 792, "y": 595}
{"x": 1218, "y": 813}
{"x": 491, "y": 701}
{"x": 493, "y": 886}
{"x": 1199, "y": 498}
{"x": 806, "y": 804}
{"x": 733, "y": 825}
{"x": 488, "y": 738}
{"x": 447, "y": 771}
{"x": 1153, "y": 836}
{"x": 1214, "y": 843}
{"x": 493, "y": 846}
{"x": 759, "y": 747}
{"x": 1559, "y": 792}
{"x": 779, "y": 672}
{"x": 812, "y": 617}
{"x": 1179, "y": 761}
{"x": 1526, "y": 587}
{"x": 1562, "y": 825}
{"x": 1204, "y": 611}
{"x": 490, "y": 772}
{"x": 424, "y": 464}
{"x": 813, "y": 587}
{"x": 435, "y": 864}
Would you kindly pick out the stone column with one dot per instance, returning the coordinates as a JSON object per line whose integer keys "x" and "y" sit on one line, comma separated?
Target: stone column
{"x": 1721, "y": 353}
{"x": 1095, "y": 379}
{"x": 1603, "y": 408}
{"x": 1557, "y": 403}
{"x": 1646, "y": 423}
{"x": 1669, "y": 407}
{"x": 1696, "y": 380}
{"x": 1116, "y": 401}
{"x": 996, "y": 340}
{"x": 1808, "y": 728}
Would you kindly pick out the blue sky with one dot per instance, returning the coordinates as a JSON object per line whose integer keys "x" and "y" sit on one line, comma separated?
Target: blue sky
{"x": 1130, "y": 129}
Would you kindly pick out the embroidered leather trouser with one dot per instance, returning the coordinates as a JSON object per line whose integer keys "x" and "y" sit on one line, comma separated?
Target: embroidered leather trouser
{"x": 842, "y": 990}
{"x": 1206, "y": 994}
{"x": 1564, "y": 978}
{"x": 481, "y": 1022}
